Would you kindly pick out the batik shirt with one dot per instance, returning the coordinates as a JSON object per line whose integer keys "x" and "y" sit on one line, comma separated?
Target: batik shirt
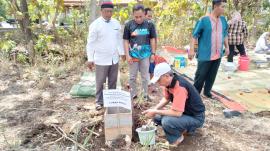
{"x": 139, "y": 36}
{"x": 211, "y": 35}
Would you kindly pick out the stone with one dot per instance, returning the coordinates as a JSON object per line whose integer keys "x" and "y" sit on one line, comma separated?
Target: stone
{"x": 52, "y": 120}
{"x": 46, "y": 95}
{"x": 89, "y": 107}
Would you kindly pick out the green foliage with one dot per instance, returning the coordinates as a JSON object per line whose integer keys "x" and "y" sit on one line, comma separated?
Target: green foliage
{"x": 86, "y": 141}
{"x": 176, "y": 20}
{"x": 63, "y": 33}
{"x": 22, "y": 58}
{"x": 3, "y": 9}
{"x": 124, "y": 14}
{"x": 42, "y": 9}
{"x": 7, "y": 45}
{"x": 266, "y": 5}
{"x": 254, "y": 13}
{"x": 266, "y": 8}
{"x": 2, "y": 18}
{"x": 42, "y": 43}
{"x": 74, "y": 18}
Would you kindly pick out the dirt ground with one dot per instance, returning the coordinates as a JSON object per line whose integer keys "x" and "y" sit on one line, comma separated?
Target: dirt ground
{"x": 36, "y": 113}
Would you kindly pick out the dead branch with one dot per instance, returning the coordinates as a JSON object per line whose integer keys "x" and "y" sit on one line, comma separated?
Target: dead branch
{"x": 97, "y": 134}
{"x": 92, "y": 123}
{"x": 61, "y": 132}
{"x": 50, "y": 143}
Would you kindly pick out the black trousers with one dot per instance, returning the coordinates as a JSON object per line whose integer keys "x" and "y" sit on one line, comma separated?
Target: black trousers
{"x": 240, "y": 48}
{"x": 102, "y": 73}
{"x": 206, "y": 75}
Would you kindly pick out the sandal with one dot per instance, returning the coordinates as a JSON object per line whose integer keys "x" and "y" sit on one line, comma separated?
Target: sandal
{"x": 98, "y": 107}
{"x": 178, "y": 141}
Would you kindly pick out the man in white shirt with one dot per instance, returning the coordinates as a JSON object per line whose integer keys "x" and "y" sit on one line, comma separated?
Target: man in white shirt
{"x": 104, "y": 46}
{"x": 262, "y": 45}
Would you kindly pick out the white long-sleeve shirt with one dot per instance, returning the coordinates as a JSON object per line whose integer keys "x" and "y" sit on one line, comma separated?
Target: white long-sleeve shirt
{"x": 104, "y": 42}
{"x": 261, "y": 44}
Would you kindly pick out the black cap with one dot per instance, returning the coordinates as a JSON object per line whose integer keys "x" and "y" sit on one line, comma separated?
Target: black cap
{"x": 107, "y": 5}
{"x": 219, "y": 1}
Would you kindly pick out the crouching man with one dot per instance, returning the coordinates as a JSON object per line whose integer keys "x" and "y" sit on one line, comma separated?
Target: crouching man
{"x": 186, "y": 112}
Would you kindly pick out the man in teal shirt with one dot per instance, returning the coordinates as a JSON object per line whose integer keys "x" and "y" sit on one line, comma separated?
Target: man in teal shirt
{"x": 210, "y": 32}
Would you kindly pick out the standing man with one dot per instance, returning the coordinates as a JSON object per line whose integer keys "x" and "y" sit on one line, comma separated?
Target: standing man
{"x": 148, "y": 13}
{"x": 149, "y": 18}
{"x": 139, "y": 42}
{"x": 104, "y": 46}
{"x": 211, "y": 33}
{"x": 187, "y": 111}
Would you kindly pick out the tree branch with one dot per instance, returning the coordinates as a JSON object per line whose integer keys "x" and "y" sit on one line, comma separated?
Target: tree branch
{"x": 61, "y": 132}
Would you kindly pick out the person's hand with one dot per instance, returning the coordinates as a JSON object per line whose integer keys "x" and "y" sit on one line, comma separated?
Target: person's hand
{"x": 150, "y": 113}
{"x": 152, "y": 58}
{"x": 191, "y": 54}
{"x": 227, "y": 51}
{"x": 90, "y": 65}
{"x": 123, "y": 57}
{"x": 129, "y": 59}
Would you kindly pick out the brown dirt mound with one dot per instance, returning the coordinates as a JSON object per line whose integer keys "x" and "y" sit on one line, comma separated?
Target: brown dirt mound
{"x": 38, "y": 135}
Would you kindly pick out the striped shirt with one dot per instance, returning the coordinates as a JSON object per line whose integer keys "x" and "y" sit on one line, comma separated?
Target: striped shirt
{"x": 237, "y": 33}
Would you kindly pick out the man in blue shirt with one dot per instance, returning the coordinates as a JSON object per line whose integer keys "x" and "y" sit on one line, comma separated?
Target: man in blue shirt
{"x": 210, "y": 32}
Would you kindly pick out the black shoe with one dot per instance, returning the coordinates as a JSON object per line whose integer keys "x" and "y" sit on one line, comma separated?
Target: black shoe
{"x": 210, "y": 96}
{"x": 134, "y": 97}
{"x": 235, "y": 53}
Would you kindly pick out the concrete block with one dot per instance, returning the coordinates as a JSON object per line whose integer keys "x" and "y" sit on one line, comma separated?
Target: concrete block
{"x": 117, "y": 121}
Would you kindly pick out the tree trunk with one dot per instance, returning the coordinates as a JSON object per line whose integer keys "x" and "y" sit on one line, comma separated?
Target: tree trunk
{"x": 93, "y": 10}
{"x": 54, "y": 19}
{"x": 206, "y": 7}
{"x": 236, "y": 4}
{"x": 39, "y": 19}
{"x": 230, "y": 6}
{"x": 25, "y": 27}
{"x": 255, "y": 21}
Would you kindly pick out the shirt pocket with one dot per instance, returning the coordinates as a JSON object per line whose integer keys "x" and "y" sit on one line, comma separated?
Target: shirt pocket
{"x": 116, "y": 32}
